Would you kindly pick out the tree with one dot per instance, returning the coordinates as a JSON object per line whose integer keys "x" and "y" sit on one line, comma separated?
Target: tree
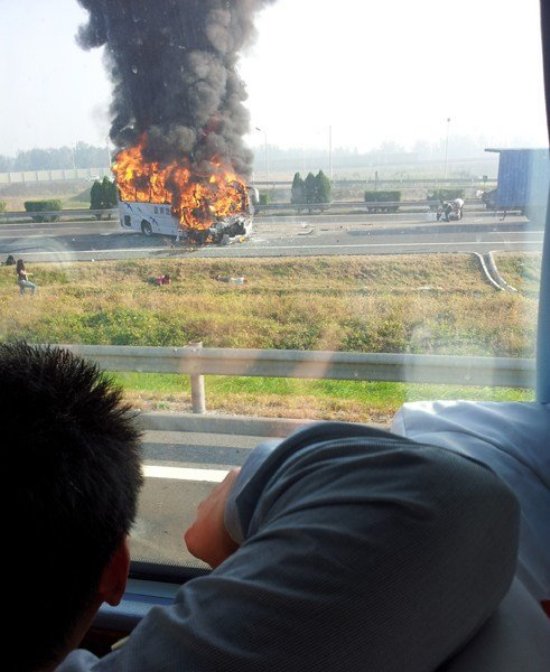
{"x": 298, "y": 191}
{"x": 310, "y": 191}
{"x": 324, "y": 188}
{"x": 103, "y": 195}
{"x": 6, "y": 164}
{"x": 96, "y": 196}
{"x": 109, "y": 193}
{"x": 87, "y": 156}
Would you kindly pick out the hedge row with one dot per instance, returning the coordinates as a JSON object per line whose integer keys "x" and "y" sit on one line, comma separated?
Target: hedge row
{"x": 382, "y": 197}
{"x": 43, "y": 206}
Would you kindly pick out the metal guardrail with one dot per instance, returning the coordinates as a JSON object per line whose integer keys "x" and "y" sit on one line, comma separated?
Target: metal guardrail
{"x": 196, "y": 361}
{"x": 362, "y": 206}
{"x": 54, "y": 175}
{"x": 58, "y": 214}
{"x": 355, "y": 205}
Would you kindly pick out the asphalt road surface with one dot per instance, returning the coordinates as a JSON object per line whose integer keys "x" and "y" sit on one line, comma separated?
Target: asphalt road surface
{"x": 180, "y": 469}
{"x": 356, "y": 234}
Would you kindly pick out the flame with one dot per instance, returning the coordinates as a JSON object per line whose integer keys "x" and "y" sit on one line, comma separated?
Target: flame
{"x": 197, "y": 200}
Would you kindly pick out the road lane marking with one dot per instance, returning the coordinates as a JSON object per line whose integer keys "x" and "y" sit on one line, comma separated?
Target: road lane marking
{"x": 208, "y": 251}
{"x": 74, "y": 253}
{"x": 184, "y": 473}
{"x": 419, "y": 244}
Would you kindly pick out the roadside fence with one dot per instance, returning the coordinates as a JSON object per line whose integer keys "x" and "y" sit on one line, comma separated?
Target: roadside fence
{"x": 195, "y": 361}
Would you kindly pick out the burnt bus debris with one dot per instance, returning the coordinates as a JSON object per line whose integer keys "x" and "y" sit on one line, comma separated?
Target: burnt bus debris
{"x": 160, "y": 219}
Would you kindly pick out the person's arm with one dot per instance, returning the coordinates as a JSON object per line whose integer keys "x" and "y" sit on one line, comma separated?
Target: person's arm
{"x": 358, "y": 551}
{"x": 207, "y": 538}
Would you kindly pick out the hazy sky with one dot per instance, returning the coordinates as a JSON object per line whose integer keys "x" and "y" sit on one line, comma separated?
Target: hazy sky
{"x": 316, "y": 64}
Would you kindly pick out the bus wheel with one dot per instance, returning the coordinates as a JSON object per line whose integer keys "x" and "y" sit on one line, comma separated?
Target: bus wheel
{"x": 146, "y": 228}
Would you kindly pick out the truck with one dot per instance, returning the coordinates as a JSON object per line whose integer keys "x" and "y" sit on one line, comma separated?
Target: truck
{"x": 158, "y": 218}
{"x": 522, "y": 182}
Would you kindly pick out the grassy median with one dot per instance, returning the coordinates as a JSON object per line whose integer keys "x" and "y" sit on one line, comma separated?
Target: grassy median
{"x": 438, "y": 304}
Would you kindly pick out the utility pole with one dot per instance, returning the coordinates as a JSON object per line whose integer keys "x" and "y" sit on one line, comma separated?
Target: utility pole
{"x": 447, "y": 147}
{"x": 108, "y": 152}
{"x": 330, "y": 152}
{"x": 266, "y": 154}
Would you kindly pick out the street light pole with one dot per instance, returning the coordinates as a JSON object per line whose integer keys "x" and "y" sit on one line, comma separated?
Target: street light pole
{"x": 330, "y": 152}
{"x": 266, "y": 154}
{"x": 108, "y": 152}
{"x": 447, "y": 146}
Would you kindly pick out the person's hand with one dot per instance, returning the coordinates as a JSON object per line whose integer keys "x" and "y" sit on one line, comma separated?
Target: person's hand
{"x": 207, "y": 538}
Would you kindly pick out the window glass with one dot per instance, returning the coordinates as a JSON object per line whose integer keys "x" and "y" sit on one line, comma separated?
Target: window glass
{"x": 353, "y": 195}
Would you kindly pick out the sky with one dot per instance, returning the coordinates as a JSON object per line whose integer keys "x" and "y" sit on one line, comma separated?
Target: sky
{"x": 363, "y": 73}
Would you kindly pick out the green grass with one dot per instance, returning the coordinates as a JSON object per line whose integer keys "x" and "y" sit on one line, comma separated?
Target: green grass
{"x": 358, "y": 401}
{"x": 434, "y": 304}
{"x": 426, "y": 304}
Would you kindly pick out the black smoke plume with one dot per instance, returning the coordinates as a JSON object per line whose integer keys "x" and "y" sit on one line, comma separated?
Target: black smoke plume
{"x": 175, "y": 82}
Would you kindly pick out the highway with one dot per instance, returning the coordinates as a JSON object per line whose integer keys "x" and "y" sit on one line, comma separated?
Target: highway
{"x": 278, "y": 236}
{"x": 180, "y": 468}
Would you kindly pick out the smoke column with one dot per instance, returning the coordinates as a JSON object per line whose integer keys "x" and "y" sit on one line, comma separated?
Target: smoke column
{"x": 173, "y": 66}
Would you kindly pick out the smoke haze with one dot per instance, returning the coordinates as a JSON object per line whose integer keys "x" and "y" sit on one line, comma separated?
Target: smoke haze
{"x": 173, "y": 66}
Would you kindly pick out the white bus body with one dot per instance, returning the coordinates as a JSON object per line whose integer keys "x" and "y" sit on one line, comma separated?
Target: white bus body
{"x": 148, "y": 218}
{"x": 153, "y": 218}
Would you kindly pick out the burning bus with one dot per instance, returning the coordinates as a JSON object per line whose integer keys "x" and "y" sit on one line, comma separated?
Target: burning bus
{"x": 215, "y": 206}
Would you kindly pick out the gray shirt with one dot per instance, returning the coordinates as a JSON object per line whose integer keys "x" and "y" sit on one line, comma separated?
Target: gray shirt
{"x": 360, "y": 551}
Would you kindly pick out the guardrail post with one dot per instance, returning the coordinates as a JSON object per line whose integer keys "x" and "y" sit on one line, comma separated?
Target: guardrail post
{"x": 198, "y": 394}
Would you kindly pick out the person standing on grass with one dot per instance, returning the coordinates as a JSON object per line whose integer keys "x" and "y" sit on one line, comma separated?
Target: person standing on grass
{"x": 23, "y": 278}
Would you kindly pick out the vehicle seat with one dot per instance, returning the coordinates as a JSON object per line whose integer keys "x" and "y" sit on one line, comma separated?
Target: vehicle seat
{"x": 514, "y": 440}
{"x": 515, "y": 639}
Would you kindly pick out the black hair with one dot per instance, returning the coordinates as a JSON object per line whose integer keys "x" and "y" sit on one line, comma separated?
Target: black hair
{"x": 73, "y": 474}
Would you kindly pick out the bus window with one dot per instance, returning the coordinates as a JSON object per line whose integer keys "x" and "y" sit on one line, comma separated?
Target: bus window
{"x": 354, "y": 205}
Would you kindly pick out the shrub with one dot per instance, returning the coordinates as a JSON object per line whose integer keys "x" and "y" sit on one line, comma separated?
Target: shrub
{"x": 43, "y": 206}
{"x": 103, "y": 196}
{"x": 379, "y": 197}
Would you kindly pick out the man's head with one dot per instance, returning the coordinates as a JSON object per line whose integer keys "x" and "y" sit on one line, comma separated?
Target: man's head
{"x": 72, "y": 481}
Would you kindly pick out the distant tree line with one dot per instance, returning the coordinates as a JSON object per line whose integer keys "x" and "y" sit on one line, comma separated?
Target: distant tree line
{"x": 312, "y": 192}
{"x": 81, "y": 155}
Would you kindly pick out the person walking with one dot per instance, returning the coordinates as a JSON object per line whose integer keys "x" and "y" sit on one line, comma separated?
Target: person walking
{"x": 23, "y": 278}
